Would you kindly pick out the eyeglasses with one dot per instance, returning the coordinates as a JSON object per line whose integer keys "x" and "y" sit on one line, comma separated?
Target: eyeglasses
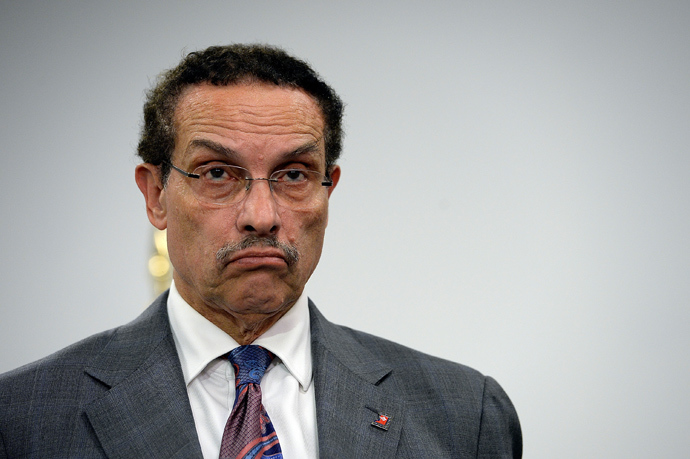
{"x": 224, "y": 184}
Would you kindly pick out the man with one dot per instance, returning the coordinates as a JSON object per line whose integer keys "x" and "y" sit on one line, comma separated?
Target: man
{"x": 240, "y": 147}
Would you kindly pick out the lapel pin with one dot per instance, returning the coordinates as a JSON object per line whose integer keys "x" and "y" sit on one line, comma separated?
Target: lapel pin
{"x": 382, "y": 422}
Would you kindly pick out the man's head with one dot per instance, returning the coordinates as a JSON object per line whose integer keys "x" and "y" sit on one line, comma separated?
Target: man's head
{"x": 229, "y": 65}
{"x": 242, "y": 246}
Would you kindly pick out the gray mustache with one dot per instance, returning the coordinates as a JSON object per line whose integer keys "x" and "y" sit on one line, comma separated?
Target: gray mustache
{"x": 290, "y": 252}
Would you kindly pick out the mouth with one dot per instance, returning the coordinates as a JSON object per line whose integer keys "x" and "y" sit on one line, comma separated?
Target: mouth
{"x": 256, "y": 257}
{"x": 254, "y": 251}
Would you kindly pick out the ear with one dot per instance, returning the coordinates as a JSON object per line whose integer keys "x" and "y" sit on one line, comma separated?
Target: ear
{"x": 335, "y": 177}
{"x": 149, "y": 182}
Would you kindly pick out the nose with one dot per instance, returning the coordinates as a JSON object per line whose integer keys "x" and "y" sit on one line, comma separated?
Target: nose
{"x": 259, "y": 211}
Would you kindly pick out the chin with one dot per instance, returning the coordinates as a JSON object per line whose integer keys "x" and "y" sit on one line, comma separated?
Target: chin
{"x": 261, "y": 298}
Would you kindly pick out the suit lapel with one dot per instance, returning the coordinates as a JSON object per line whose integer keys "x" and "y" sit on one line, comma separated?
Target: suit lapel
{"x": 145, "y": 412}
{"x": 348, "y": 397}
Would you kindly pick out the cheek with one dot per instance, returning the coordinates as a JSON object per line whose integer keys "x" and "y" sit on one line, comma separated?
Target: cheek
{"x": 310, "y": 229}
{"x": 180, "y": 234}
{"x": 196, "y": 234}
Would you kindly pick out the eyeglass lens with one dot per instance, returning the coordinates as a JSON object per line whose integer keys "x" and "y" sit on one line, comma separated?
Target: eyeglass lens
{"x": 225, "y": 184}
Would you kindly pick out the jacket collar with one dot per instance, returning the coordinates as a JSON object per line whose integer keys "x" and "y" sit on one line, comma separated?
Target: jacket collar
{"x": 147, "y": 398}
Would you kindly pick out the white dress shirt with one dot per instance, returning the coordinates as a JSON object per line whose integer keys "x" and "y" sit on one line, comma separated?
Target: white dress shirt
{"x": 287, "y": 388}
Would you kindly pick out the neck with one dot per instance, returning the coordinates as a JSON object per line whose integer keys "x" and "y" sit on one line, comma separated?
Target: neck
{"x": 243, "y": 328}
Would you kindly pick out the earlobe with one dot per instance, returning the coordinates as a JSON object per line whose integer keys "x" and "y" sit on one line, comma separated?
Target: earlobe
{"x": 335, "y": 177}
{"x": 148, "y": 180}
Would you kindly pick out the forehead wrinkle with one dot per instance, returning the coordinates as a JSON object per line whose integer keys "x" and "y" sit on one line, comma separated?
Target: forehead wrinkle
{"x": 219, "y": 105}
{"x": 215, "y": 115}
{"x": 308, "y": 137}
{"x": 259, "y": 128}
{"x": 259, "y": 121}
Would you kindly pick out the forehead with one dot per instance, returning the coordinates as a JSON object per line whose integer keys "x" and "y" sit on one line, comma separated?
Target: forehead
{"x": 248, "y": 116}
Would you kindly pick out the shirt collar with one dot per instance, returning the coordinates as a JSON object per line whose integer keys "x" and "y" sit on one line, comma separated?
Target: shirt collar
{"x": 199, "y": 342}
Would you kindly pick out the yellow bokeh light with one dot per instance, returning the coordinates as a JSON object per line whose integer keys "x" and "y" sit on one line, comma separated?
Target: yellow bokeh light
{"x": 159, "y": 266}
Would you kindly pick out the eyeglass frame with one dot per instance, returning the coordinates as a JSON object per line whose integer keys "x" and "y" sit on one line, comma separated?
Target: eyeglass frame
{"x": 326, "y": 183}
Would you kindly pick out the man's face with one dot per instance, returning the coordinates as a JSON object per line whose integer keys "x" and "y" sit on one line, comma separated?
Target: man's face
{"x": 262, "y": 128}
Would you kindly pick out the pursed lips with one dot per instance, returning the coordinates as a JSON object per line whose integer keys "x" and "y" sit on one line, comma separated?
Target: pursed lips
{"x": 257, "y": 256}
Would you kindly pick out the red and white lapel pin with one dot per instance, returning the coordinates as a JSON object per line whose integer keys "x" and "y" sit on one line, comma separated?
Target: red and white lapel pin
{"x": 382, "y": 422}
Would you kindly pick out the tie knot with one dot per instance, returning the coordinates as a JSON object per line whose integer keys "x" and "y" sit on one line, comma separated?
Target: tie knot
{"x": 250, "y": 363}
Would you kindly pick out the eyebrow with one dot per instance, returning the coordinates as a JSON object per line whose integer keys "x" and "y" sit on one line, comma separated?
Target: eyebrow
{"x": 214, "y": 146}
{"x": 309, "y": 148}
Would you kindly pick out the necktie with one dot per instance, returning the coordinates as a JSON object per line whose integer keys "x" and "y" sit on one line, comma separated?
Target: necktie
{"x": 249, "y": 433}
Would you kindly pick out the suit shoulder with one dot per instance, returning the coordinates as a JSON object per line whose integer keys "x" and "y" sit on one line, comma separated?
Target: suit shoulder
{"x": 77, "y": 356}
{"x": 412, "y": 361}
{"x": 30, "y": 392}
{"x": 463, "y": 394}
{"x": 74, "y": 355}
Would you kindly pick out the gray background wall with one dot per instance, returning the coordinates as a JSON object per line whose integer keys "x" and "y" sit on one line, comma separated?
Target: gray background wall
{"x": 514, "y": 196}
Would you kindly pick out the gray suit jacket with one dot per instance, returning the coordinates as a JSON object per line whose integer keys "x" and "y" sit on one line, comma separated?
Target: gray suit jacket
{"x": 121, "y": 394}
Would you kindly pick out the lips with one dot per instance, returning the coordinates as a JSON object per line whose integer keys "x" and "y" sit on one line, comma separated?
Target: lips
{"x": 259, "y": 256}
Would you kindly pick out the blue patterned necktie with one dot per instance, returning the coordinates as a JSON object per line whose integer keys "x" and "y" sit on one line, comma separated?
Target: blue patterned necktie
{"x": 249, "y": 433}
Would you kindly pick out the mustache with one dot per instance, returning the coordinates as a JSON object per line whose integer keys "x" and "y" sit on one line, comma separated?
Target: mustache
{"x": 290, "y": 252}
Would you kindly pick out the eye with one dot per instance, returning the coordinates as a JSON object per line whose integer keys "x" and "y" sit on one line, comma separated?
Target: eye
{"x": 292, "y": 176}
{"x": 215, "y": 173}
